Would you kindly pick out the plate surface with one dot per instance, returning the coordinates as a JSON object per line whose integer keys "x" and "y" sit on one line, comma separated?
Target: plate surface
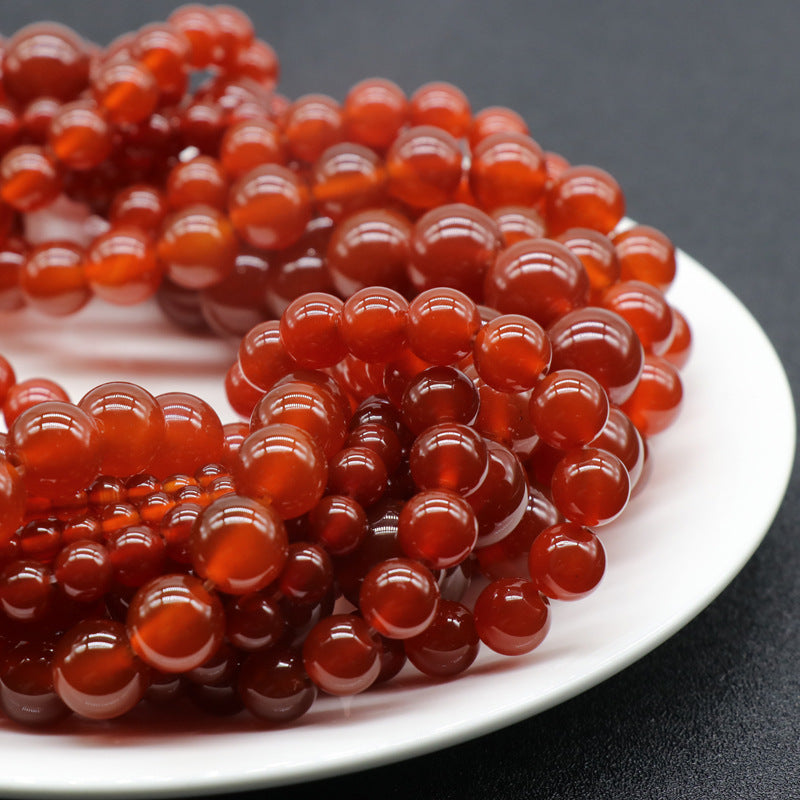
{"x": 679, "y": 543}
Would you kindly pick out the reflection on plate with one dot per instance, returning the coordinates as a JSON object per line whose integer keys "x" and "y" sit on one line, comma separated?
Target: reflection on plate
{"x": 677, "y": 546}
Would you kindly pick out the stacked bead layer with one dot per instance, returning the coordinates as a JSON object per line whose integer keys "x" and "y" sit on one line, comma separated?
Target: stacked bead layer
{"x": 451, "y": 359}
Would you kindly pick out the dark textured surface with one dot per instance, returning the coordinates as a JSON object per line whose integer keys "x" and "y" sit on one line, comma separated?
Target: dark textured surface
{"x": 695, "y": 108}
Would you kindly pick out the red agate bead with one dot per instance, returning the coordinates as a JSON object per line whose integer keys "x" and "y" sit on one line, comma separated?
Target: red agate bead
{"x": 239, "y": 544}
{"x": 84, "y": 570}
{"x": 269, "y": 207}
{"x": 597, "y": 254}
{"x": 449, "y": 456}
{"x": 590, "y": 486}
{"x": 399, "y": 598}
{"x": 680, "y": 346}
{"x": 511, "y": 352}
{"x": 442, "y": 105}
{"x": 29, "y": 178}
{"x": 441, "y": 326}
{"x": 199, "y": 181}
{"x": 538, "y": 278}
{"x": 566, "y": 561}
{"x": 137, "y": 554}
{"x": 311, "y": 330}
{"x": 12, "y": 501}
{"x": 517, "y": 223}
{"x": 248, "y": 144}
{"x": 174, "y": 623}
{"x": 495, "y": 119}
{"x": 53, "y": 279}
{"x": 95, "y": 672}
{"x": 646, "y": 254}
{"x": 373, "y": 323}
{"x": 657, "y": 399}
{"x": 313, "y": 123}
{"x": 449, "y": 645}
{"x": 358, "y": 472}
{"x": 341, "y": 656}
{"x": 141, "y": 205}
{"x": 338, "y": 523}
{"x": 80, "y": 136}
{"x": 27, "y": 694}
{"x": 307, "y": 576}
{"x": 126, "y": 91}
{"x": 620, "y": 437}
{"x": 647, "y": 311}
{"x": 262, "y": 356}
{"x": 584, "y": 197}
{"x": 439, "y": 394}
{"x": 163, "y": 50}
{"x": 26, "y": 590}
{"x": 511, "y": 616}
{"x": 283, "y": 466}
{"x": 254, "y": 621}
{"x": 374, "y": 111}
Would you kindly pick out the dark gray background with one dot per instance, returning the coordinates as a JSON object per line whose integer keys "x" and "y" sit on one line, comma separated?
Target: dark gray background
{"x": 695, "y": 108}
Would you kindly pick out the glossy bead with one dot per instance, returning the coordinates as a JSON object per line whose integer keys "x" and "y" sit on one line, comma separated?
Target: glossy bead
{"x": 358, "y": 472}
{"x": 680, "y": 346}
{"x": 448, "y": 646}
{"x": 262, "y": 356}
{"x": 538, "y": 278}
{"x": 511, "y": 617}
{"x": 439, "y": 394}
{"x": 234, "y": 32}
{"x": 346, "y": 178}
{"x": 313, "y": 123}
{"x": 310, "y": 330}
{"x": 508, "y": 558}
{"x": 373, "y": 323}
{"x": 306, "y": 406}
{"x": 442, "y": 105}
{"x": 249, "y": 143}
{"x": 453, "y": 245}
{"x": 192, "y": 435}
{"x": 424, "y": 167}
{"x": 566, "y": 561}
{"x": 500, "y": 499}
{"x": 95, "y": 672}
{"x": 602, "y": 344}
{"x": 340, "y": 655}
{"x": 517, "y": 223}
{"x": 269, "y": 207}
{"x": 175, "y": 624}
{"x": 338, "y": 523}
{"x": 438, "y": 528}
{"x": 374, "y": 111}
{"x": 590, "y": 487}
{"x": 620, "y": 437}
{"x": 26, "y": 590}
{"x": 597, "y": 254}
{"x": 382, "y": 440}
{"x": 646, "y": 254}
{"x": 647, "y": 311}
{"x": 130, "y": 423}
{"x": 84, "y": 571}
{"x": 254, "y": 621}
{"x": 441, "y": 325}
{"x": 584, "y": 197}
{"x": 450, "y": 457}
{"x": 399, "y": 598}
{"x": 257, "y": 61}
{"x": 198, "y": 247}
{"x": 307, "y": 576}
{"x": 137, "y": 555}
{"x": 141, "y": 206}
{"x": 658, "y": 397}
{"x": 176, "y": 529}
{"x": 495, "y": 119}
{"x": 242, "y": 395}
{"x": 199, "y": 181}
{"x": 282, "y": 466}
{"x": 511, "y": 352}
{"x": 53, "y": 279}
{"x": 12, "y": 500}
{"x": 370, "y": 248}
{"x": 12, "y": 257}
{"x": 122, "y": 268}
{"x": 117, "y": 516}
{"x": 27, "y": 695}
{"x": 79, "y": 135}
{"x": 233, "y": 434}
{"x": 202, "y": 124}
{"x": 29, "y": 178}
{"x": 197, "y": 24}
{"x": 45, "y": 59}
{"x": 126, "y": 91}
{"x": 568, "y": 408}
{"x": 239, "y": 544}
{"x": 507, "y": 169}
{"x": 163, "y": 50}
{"x": 58, "y": 447}
{"x": 275, "y": 687}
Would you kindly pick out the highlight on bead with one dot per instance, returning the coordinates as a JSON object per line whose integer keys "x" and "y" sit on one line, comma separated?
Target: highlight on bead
{"x": 450, "y": 354}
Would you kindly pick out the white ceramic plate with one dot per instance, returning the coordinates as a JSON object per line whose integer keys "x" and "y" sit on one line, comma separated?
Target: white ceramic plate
{"x": 719, "y": 476}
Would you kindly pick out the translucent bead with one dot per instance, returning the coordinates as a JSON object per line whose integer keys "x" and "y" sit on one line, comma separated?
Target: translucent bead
{"x": 58, "y": 447}
{"x": 45, "y": 59}
{"x": 511, "y": 617}
{"x": 448, "y": 646}
{"x": 239, "y": 544}
{"x": 53, "y": 279}
{"x": 373, "y": 323}
{"x": 198, "y": 247}
{"x": 449, "y": 456}
{"x": 442, "y": 105}
{"x": 598, "y": 256}
{"x": 249, "y": 143}
{"x": 197, "y": 24}
{"x": 262, "y": 356}
{"x": 646, "y": 254}
{"x": 12, "y": 501}
{"x": 235, "y": 32}
{"x": 141, "y": 206}
{"x": 338, "y": 523}
{"x": 495, "y": 119}
{"x": 95, "y": 672}
{"x": 439, "y": 394}
{"x": 538, "y": 278}
{"x": 282, "y": 466}
{"x": 424, "y": 167}
{"x": 382, "y": 440}
{"x": 358, "y": 472}
{"x": 29, "y": 178}
{"x": 370, "y": 248}
{"x": 307, "y": 577}
{"x": 199, "y": 181}
{"x": 83, "y": 570}
{"x": 126, "y": 90}
{"x": 175, "y": 624}
{"x": 441, "y": 326}
{"x": 25, "y": 394}
{"x": 254, "y": 621}
{"x": 163, "y": 50}
{"x": 79, "y": 135}
{"x": 269, "y": 207}
{"x": 346, "y": 178}
{"x": 12, "y": 257}
{"x": 680, "y": 347}
{"x": 453, "y": 245}
{"x": 137, "y": 555}
{"x": 584, "y": 197}
{"x": 313, "y": 123}
{"x": 647, "y": 311}
{"x": 657, "y": 399}
{"x": 26, "y": 590}
{"x": 620, "y": 437}
{"x": 507, "y": 169}
{"x": 374, "y": 111}
{"x": 27, "y": 695}
{"x": 259, "y": 62}
{"x": 122, "y": 268}
{"x": 517, "y": 223}
{"x": 310, "y": 330}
